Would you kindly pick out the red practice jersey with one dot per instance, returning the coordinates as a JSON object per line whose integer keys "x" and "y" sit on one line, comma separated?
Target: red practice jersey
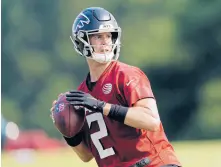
{"x": 115, "y": 144}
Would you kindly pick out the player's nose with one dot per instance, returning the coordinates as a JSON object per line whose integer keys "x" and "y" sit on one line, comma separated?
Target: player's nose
{"x": 105, "y": 40}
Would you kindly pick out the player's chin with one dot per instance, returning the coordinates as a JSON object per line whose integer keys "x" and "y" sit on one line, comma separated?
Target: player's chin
{"x": 104, "y": 52}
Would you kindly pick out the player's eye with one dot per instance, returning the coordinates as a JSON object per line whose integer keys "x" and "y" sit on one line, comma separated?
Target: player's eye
{"x": 109, "y": 36}
{"x": 98, "y": 36}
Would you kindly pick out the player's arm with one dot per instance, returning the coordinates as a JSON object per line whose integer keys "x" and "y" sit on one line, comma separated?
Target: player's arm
{"x": 83, "y": 153}
{"x": 143, "y": 114}
{"x": 79, "y": 147}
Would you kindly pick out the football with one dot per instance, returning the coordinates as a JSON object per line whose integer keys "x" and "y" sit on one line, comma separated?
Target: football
{"x": 68, "y": 119}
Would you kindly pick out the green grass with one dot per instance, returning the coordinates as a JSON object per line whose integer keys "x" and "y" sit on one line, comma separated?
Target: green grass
{"x": 191, "y": 154}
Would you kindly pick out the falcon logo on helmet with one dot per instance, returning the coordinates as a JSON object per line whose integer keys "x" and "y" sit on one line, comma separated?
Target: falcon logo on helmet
{"x": 83, "y": 19}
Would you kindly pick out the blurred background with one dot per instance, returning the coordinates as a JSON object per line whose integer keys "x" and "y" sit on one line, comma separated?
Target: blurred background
{"x": 176, "y": 43}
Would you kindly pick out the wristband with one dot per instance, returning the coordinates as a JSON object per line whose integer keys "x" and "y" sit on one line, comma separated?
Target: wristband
{"x": 118, "y": 113}
{"x": 100, "y": 106}
{"x": 75, "y": 140}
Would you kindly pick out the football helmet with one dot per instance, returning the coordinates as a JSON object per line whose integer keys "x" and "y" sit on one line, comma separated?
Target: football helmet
{"x": 95, "y": 20}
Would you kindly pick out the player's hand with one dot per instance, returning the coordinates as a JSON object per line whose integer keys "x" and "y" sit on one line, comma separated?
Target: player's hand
{"x": 79, "y": 98}
{"x": 52, "y": 109}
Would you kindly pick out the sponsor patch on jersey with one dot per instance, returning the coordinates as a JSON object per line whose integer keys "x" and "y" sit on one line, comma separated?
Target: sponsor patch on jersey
{"x": 107, "y": 88}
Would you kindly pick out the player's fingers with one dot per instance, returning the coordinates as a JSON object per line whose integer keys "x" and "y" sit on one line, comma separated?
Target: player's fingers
{"x": 52, "y": 109}
{"x": 52, "y": 117}
{"x": 72, "y": 99}
{"x": 76, "y": 103}
{"x": 54, "y": 102}
{"x": 60, "y": 95}
{"x": 76, "y": 91}
{"x": 74, "y": 95}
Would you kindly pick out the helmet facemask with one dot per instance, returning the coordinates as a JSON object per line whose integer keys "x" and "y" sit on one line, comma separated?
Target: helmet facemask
{"x": 83, "y": 47}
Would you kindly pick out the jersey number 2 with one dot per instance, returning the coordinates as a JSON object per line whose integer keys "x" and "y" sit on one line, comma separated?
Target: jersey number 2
{"x": 95, "y": 137}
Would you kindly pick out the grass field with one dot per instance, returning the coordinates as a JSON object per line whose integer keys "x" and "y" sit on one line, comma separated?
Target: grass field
{"x": 191, "y": 154}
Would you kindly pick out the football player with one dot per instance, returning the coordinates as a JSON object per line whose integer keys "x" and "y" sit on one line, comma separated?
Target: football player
{"x": 122, "y": 126}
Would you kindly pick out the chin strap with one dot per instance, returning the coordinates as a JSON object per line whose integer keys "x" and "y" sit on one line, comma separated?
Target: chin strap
{"x": 103, "y": 58}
